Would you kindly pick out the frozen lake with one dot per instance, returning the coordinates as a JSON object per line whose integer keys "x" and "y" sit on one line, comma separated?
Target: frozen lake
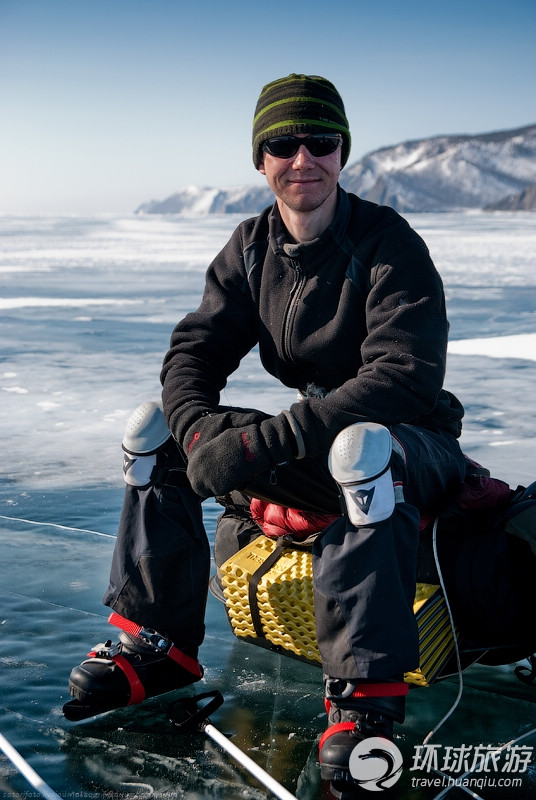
{"x": 87, "y": 307}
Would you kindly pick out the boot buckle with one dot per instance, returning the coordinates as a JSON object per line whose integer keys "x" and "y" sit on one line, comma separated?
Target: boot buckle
{"x": 106, "y": 650}
{"x": 155, "y": 639}
{"x": 336, "y": 689}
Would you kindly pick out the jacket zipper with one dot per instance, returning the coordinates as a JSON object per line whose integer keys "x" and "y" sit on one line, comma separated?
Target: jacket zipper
{"x": 295, "y": 294}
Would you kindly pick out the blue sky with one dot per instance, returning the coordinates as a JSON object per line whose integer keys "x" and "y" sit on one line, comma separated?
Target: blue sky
{"x": 108, "y": 103}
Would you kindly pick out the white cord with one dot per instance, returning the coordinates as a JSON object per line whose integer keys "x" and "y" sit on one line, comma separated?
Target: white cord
{"x": 483, "y": 760}
{"x": 453, "y": 707}
{"x": 456, "y": 702}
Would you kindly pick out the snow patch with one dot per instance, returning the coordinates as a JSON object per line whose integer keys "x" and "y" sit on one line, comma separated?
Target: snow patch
{"x": 521, "y": 346}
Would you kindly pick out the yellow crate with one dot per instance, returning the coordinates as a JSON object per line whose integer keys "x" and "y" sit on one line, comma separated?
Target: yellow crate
{"x": 281, "y": 608}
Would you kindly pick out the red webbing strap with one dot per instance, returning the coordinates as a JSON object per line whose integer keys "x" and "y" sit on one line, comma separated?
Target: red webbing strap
{"x": 394, "y": 689}
{"x": 187, "y": 662}
{"x": 125, "y": 624}
{"x": 331, "y": 731}
{"x": 137, "y": 692}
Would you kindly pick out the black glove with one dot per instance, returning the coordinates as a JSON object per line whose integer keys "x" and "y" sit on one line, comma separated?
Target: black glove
{"x": 236, "y": 455}
{"x": 211, "y": 424}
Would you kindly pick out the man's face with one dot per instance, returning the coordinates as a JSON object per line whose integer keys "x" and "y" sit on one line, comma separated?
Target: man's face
{"x": 302, "y": 182}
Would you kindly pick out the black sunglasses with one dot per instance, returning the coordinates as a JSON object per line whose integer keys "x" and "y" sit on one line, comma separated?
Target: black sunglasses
{"x": 318, "y": 144}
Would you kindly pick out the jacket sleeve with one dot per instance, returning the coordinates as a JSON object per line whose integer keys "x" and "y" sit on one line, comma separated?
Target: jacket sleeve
{"x": 403, "y": 354}
{"x": 208, "y": 344}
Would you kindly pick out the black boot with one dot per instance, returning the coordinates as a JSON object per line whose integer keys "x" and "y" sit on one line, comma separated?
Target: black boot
{"x": 355, "y": 714}
{"x": 127, "y": 673}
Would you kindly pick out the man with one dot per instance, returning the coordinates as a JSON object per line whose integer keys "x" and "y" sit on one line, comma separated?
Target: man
{"x": 345, "y": 304}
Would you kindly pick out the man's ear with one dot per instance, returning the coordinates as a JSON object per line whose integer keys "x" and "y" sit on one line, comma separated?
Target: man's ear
{"x": 261, "y": 168}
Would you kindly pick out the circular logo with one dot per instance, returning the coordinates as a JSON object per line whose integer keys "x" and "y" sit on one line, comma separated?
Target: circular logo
{"x": 376, "y": 763}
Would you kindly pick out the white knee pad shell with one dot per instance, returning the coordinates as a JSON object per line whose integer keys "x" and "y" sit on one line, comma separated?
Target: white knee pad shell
{"x": 146, "y": 431}
{"x": 359, "y": 461}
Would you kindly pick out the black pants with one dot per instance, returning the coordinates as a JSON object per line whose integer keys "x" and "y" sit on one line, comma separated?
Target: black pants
{"x": 364, "y": 577}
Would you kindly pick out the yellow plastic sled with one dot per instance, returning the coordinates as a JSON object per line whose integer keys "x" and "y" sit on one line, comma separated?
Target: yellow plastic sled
{"x": 268, "y": 591}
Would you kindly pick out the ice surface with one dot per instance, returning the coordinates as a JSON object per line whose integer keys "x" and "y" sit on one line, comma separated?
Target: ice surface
{"x": 87, "y": 307}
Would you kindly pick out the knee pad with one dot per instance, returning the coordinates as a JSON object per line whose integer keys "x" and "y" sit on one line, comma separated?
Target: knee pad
{"x": 146, "y": 432}
{"x": 359, "y": 461}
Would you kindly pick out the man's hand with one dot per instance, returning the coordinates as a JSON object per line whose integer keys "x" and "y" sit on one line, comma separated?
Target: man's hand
{"x": 208, "y": 426}
{"x": 235, "y": 455}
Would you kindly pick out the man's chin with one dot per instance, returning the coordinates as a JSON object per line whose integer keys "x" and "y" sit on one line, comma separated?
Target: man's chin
{"x": 304, "y": 200}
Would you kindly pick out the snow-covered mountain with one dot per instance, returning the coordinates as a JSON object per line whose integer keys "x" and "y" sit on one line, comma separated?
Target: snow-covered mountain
{"x": 208, "y": 200}
{"x": 447, "y": 173}
{"x": 524, "y": 201}
{"x": 442, "y": 173}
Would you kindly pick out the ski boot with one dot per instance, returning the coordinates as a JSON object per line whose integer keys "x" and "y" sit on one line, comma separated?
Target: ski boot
{"x": 356, "y": 712}
{"x": 142, "y": 664}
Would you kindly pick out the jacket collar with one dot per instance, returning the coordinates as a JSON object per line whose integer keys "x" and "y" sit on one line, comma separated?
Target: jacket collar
{"x": 282, "y": 243}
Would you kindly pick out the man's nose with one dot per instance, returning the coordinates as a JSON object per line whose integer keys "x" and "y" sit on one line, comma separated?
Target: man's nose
{"x": 302, "y": 158}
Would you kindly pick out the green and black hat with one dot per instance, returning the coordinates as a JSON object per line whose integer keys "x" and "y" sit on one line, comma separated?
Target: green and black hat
{"x": 299, "y": 104}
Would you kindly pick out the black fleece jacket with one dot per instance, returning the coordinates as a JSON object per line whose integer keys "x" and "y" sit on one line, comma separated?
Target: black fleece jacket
{"x": 358, "y": 312}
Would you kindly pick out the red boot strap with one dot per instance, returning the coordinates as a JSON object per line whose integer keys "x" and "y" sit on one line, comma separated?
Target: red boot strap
{"x": 149, "y": 636}
{"x": 394, "y": 689}
{"x": 331, "y": 731}
{"x": 137, "y": 692}
{"x": 397, "y": 689}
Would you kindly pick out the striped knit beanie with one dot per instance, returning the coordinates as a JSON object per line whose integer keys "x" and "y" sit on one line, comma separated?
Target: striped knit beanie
{"x": 299, "y": 104}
